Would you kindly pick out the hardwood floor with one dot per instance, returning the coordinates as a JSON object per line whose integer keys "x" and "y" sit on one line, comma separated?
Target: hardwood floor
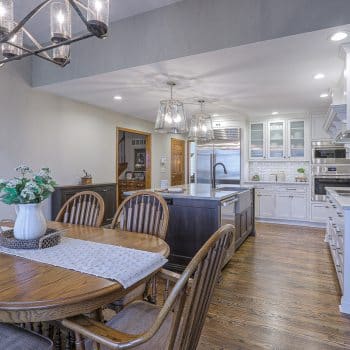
{"x": 278, "y": 292}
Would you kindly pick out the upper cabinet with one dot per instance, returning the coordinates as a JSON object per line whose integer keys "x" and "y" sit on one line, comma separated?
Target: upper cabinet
{"x": 257, "y": 141}
{"x": 296, "y": 139}
{"x": 278, "y": 140}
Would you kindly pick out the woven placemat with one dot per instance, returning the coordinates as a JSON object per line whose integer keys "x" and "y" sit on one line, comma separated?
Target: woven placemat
{"x": 50, "y": 239}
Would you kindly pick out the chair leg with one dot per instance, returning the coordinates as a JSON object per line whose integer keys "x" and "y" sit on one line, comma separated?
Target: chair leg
{"x": 79, "y": 342}
{"x": 57, "y": 339}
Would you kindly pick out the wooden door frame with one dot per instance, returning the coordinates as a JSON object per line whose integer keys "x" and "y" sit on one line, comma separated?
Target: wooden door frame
{"x": 148, "y": 135}
{"x": 171, "y": 154}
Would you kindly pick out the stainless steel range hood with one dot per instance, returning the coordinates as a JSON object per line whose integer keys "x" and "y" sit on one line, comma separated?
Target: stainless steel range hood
{"x": 343, "y": 137}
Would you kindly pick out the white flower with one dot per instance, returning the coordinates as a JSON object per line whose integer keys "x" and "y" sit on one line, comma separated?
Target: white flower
{"x": 13, "y": 183}
{"x": 3, "y": 182}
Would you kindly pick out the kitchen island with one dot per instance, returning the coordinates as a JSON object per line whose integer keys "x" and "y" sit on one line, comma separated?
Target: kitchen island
{"x": 197, "y": 212}
{"x": 338, "y": 238}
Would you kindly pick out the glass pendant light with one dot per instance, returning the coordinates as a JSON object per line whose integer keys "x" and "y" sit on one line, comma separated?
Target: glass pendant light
{"x": 61, "y": 54}
{"x": 60, "y": 20}
{"x": 171, "y": 118}
{"x": 98, "y": 16}
{"x": 10, "y": 51}
{"x": 6, "y": 16}
{"x": 201, "y": 128}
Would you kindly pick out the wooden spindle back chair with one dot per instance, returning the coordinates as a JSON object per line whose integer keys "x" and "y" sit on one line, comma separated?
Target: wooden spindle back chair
{"x": 143, "y": 212}
{"x": 84, "y": 208}
{"x": 182, "y": 316}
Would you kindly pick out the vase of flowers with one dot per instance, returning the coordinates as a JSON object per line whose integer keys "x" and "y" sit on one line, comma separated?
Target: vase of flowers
{"x": 27, "y": 191}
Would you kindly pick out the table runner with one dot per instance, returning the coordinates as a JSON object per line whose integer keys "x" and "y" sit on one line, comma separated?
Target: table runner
{"x": 124, "y": 265}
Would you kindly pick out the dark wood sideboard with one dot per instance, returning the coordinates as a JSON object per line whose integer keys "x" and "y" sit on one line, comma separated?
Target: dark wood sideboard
{"x": 107, "y": 191}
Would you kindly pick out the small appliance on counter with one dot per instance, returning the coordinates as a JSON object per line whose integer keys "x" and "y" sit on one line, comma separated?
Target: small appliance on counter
{"x": 281, "y": 176}
{"x": 273, "y": 178}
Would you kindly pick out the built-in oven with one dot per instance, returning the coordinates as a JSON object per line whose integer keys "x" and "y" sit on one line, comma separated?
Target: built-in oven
{"x": 320, "y": 182}
{"x": 327, "y": 152}
{"x": 335, "y": 175}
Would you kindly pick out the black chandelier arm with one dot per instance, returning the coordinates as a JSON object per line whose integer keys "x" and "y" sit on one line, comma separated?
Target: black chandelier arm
{"x": 28, "y": 53}
{"x": 35, "y": 42}
{"x": 38, "y": 51}
{"x": 30, "y": 15}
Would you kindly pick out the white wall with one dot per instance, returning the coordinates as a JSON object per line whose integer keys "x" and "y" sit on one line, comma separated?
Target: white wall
{"x": 39, "y": 130}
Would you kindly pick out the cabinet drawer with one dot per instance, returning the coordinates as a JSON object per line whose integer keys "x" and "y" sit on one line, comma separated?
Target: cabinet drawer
{"x": 292, "y": 189}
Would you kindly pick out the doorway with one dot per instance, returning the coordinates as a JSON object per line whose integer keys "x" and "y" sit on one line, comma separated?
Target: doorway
{"x": 177, "y": 162}
{"x": 133, "y": 171}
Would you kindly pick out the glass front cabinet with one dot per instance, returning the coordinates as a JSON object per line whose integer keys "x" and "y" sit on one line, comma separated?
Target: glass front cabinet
{"x": 257, "y": 139}
{"x": 277, "y": 140}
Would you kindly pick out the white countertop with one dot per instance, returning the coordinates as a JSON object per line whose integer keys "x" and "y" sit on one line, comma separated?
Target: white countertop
{"x": 200, "y": 191}
{"x": 343, "y": 201}
{"x": 288, "y": 183}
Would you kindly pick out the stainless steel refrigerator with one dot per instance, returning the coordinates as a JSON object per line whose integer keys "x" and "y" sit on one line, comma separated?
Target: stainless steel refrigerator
{"x": 225, "y": 148}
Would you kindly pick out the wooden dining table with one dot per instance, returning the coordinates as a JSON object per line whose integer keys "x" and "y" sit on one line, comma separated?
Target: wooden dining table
{"x": 35, "y": 292}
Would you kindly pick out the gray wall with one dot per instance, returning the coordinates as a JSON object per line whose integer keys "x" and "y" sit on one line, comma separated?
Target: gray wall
{"x": 40, "y": 129}
{"x": 191, "y": 27}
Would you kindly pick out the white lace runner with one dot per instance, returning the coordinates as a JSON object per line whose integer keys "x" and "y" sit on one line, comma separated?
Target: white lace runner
{"x": 124, "y": 265}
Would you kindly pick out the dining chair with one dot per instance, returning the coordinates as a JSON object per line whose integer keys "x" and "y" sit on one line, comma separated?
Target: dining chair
{"x": 143, "y": 212}
{"x": 17, "y": 338}
{"x": 178, "y": 324}
{"x": 84, "y": 208}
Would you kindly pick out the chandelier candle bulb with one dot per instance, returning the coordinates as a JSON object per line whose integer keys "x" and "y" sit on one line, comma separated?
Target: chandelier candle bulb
{"x": 98, "y": 16}
{"x": 61, "y": 28}
{"x": 6, "y": 16}
{"x": 10, "y": 51}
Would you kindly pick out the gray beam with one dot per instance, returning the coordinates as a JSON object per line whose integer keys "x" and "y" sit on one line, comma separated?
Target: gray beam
{"x": 192, "y": 27}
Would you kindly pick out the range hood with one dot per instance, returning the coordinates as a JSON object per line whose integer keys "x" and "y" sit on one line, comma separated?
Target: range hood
{"x": 343, "y": 137}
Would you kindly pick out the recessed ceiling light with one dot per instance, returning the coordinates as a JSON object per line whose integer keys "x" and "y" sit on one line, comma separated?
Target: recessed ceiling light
{"x": 275, "y": 113}
{"x": 216, "y": 115}
{"x": 339, "y": 36}
{"x": 117, "y": 98}
{"x": 319, "y": 76}
{"x": 324, "y": 95}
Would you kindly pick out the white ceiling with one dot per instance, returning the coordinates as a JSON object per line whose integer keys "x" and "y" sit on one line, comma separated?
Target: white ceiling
{"x": 252, "y": 80}
{"x": 119, "y": 9}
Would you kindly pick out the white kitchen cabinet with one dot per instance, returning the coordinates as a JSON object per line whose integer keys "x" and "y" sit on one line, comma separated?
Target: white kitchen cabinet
{"x": 283, "y": 206}
{"x": 296, "y": 148}
{"x": 282, "y": 202}
{"x": 276, "y": 145}
{"x": 299, "y": 207}
{"x": 284, "y": 139}
{"x": 257, "y": 141}
{"x": 319, "y": 211}
{"x": 265, "y": 204}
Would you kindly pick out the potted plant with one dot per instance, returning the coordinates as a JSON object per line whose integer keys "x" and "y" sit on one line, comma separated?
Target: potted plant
{"x": 26, "y": 192}
{"x": 302, "y": 176}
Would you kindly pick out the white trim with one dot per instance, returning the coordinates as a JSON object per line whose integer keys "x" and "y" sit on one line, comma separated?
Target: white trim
{"x": 292, "y": 222}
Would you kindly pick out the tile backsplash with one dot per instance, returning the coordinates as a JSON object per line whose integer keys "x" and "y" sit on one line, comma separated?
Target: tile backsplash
{"x": 264, "y": 169}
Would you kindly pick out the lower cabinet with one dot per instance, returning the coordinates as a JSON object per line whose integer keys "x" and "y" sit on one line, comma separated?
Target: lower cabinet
{"x": 265, "y": 204}
{"x": 281, "y": 202}
{"x": 319, "y": 211}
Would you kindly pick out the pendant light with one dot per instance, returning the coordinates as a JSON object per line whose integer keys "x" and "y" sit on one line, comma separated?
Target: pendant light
{"x": 201, "y": 128}
{"x": 171, "y": 118}
{"x": 94, "y": 14}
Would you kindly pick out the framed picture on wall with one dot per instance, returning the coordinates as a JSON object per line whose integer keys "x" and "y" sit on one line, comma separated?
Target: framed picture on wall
{"x": 140, "y": 159}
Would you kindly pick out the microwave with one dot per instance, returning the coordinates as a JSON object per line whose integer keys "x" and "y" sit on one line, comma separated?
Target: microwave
{"x": 327, "y": 152}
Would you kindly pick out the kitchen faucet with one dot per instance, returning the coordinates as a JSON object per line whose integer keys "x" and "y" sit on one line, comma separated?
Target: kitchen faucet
{"x": 213, "y": 184}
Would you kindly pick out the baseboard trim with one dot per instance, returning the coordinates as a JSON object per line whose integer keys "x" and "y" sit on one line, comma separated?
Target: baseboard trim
{"x": 292, "y": 222}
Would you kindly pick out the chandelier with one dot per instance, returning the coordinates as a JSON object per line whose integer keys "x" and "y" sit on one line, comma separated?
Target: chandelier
{"x": 171, "y": 118}
{"x": 93, "y": 13}
{"x": 201, "y": 128}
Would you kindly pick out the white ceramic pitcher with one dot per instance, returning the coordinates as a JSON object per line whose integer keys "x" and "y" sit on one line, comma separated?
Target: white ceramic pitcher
{"x": 30, "y": 222}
